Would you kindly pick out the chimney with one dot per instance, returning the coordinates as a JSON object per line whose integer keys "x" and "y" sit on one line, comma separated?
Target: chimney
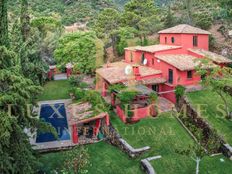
{"x": 136, "y": 71}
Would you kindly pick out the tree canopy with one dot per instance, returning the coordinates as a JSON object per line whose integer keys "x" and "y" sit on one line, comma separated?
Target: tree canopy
{"x": 79, "y": 49}
{"x": 4, "y": 40}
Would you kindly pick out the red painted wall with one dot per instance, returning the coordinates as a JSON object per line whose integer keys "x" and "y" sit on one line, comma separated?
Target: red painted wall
{"x": 170, "y": 95}
{"x": 132, "y": 55}
{"x": 139, "y": 113}
{"x": 121, "y": 114}
{"x": 203, "y": 41}
{"x": 177, "y": 38}
{"x": 164, "y": 67}
{"x": 186, "y": 40}
{"x": 183, "y": 80}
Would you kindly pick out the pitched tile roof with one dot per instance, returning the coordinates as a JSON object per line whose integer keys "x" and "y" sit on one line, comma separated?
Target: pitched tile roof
{"x": 151, "y": 81}
{"x": 184, "y": 28}
{"x": 153, "y": 48}
{"x": 182, "y": 62}
{"x": 210, "y": 55}
{"x": 115, "y": 72}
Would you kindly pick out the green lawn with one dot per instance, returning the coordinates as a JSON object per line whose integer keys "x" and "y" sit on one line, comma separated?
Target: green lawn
{"x": 163, "y": 134}
{"x": 54, "y": 90}
{"x": 212, "y": 114}
{"x": 104, "y": 159}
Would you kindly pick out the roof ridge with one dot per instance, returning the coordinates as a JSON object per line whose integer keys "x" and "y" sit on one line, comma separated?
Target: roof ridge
{"x": 184, "y": 26}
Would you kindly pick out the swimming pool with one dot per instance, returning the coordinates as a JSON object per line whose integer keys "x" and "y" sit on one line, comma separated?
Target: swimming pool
{"x": 55, "y": 114}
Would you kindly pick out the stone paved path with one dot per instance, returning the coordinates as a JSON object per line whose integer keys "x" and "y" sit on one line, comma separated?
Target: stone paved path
{"x": 165, "y": 105}
{"x": 60, "y": 76}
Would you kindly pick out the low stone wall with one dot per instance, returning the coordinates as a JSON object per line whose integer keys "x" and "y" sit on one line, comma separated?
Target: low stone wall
{"x": 228, "y": 89}
{"x": 146, "y": 165}
{"x": 113, "y": 137}
{"x": 200, "y": 123}
{"x": 227, "y": 150}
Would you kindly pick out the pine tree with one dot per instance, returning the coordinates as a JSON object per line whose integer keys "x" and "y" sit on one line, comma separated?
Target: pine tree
{"x": 143, "y": 16}
{"x": 25, "y": 20}
{"x": 16, "y": 155}
{"x": 16, "y": 91}
{"x": 4, "y": 40}
{"x": 169, "y": 20}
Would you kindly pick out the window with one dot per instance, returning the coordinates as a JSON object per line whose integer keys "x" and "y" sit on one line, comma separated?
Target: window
{"x": 189, "y": 74}
{"x": 170, "y": 76}
{"x": 131, "y": 57}
{"x": 166, "y": 40}
{"x": 155, "y": 88}
{"x": 195, "y": 41}
{"x": 173, "y": 40}
{"x": 143, "y": 58}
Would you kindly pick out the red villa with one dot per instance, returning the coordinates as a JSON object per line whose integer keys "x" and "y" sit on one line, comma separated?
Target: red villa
{"x": 162, "y": 67}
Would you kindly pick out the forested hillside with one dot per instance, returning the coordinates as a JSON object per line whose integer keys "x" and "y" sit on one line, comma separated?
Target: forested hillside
{"x": 70, "y": 11}
{"x": 207, "y": 14}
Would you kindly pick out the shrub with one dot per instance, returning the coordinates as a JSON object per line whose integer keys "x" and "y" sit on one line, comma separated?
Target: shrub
{"x": 75, "y": 80}
{"x": 153, "y": 97}
{"x": 127, "y": 96}
{"x": 83, "y": 85}
{"x": 203, "y": 20}
{"x": 121, "y": 45}
{"x": 116, "y": 87}
{"x": 79, "y": 93}
{"x": 179, "y": 91}
{"x": 96, "y": 100}
{"x": 212, "y": 42}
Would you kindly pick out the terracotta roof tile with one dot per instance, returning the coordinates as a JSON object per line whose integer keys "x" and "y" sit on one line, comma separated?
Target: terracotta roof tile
{"x": 210, "y": 55}
{"x": 184, "y": 28}
{"x": 153, "y": 48}
{"x": 151, "y": 81}
{"x": 115, "y": 72}
{"x": 182, "y": 62}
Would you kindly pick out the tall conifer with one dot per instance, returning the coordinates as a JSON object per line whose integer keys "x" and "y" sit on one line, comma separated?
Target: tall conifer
{"x": 4, "y": 40}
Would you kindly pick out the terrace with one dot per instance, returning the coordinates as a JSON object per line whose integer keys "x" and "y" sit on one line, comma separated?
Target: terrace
{"x": 133, "y": 103}
{"x": 212, "y": 113}
{"x": 163, "y": 134}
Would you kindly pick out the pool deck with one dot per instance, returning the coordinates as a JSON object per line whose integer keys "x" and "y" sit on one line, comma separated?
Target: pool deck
{"x": 59, "y": 144}
{"x": 53, "y": 145}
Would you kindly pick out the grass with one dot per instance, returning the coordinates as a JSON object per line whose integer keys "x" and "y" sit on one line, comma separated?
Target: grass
{"x": 164, "y": 135}
{"x": 104, "y": 158}
{"x": 54, "y": 90}
{"x": 213, "y": 114}
{"x": 208, "y": 165}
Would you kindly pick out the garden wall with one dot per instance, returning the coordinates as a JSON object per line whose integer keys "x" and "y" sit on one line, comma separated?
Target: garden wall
{"x": 228, "y": 89}
{"x": 138, "y": 113}
{"x": 113, "y": 137}
{"x": 212, "y": 142}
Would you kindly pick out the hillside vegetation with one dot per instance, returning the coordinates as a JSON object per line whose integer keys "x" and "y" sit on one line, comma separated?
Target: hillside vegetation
{"x": 70, "y": 11}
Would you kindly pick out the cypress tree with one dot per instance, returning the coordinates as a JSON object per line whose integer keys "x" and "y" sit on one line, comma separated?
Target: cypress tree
{"x": 25, "y": 20}
{"x": 4, "y": 40}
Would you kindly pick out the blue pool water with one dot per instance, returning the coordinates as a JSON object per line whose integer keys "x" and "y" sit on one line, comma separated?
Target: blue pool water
{"x": 54, "y": 114}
